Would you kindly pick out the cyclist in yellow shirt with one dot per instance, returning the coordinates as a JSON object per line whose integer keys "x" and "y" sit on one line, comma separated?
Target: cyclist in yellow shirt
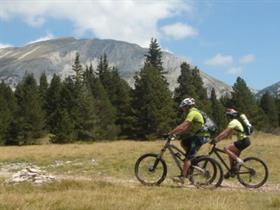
{"x": 234, "y": 149}
{"x": 193, "y": 137}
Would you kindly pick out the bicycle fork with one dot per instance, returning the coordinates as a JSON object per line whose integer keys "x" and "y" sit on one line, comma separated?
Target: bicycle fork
{"x": 154, "y": 165}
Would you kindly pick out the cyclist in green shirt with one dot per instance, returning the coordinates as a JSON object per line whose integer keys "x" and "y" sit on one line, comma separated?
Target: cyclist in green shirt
{"x": 233, "y": 150}
{"x": 193, "y": 137}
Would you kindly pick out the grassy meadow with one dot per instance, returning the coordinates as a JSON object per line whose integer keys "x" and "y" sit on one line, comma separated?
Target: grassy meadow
{"x": 101, "y": 176}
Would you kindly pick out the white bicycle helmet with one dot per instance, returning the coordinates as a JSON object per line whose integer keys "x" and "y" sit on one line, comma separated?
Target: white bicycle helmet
{"x": 187, "y": 102}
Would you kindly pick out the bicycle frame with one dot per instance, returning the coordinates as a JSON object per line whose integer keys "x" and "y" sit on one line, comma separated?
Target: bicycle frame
{"x": 216, "y": 151}
{"x": 175, "y": 152}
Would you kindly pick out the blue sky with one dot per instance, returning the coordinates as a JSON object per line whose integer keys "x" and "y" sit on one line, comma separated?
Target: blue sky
{"x": 223, "y": 38}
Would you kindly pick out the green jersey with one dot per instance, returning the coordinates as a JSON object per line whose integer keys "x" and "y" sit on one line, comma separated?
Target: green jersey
{"x": 238, "y": 129}
{"x": 197, "y": 121}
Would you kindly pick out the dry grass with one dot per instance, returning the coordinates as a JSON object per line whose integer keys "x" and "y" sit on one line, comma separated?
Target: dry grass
{"x": 97, "y": 185}
{"x": 102, "y": 196}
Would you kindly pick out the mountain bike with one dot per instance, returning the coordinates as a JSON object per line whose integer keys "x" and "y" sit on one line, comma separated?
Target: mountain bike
{"x": 151, "y": 168}
{"x": 252, "y": 174}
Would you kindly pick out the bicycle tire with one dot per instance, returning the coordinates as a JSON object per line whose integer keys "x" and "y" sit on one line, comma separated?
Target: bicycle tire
{"x": 219, "y": 174}
{"x": 216, "y": 172}
{"x": 155, "y": 164}
{"x": 252, "y": 171}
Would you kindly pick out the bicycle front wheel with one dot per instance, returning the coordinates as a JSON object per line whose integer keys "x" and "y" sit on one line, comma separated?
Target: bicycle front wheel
{"x": 253, "y": 173}
{"x": 206, "y": 172}
{"x": 150, "y": 169}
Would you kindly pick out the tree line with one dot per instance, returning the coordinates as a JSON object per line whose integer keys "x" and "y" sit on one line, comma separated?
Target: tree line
{"x": 96, "y": 104}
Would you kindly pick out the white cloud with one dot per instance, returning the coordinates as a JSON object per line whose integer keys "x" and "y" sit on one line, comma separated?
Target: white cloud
{"x": 220, "y": 60}
{"x": 5, "y": 45}
{"x": 230, "y": 65}
{"x": 235, "y": 71}
{"x": 247, "y": 59}
{"x": 130, "y": 20}
{"x": 45, "y": 38}
{"x": 179, "y": 31}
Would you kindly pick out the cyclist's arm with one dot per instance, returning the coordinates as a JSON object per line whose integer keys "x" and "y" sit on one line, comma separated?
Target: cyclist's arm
{"x": 224, "y": 134}
{"x": 182, "y": 128}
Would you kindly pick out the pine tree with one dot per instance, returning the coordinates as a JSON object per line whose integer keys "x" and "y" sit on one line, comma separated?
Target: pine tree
{"x": 53, "y": 98}
{"x": 77, "y": 68}
{"x": 185, "y": 88}
{"x": 119, "y": 94}
{"x": 201, "y": 92}
{"x": 268, "y": 105}
{"x": 191, "y": 85}
{"x": 217, "y": 111}
{"x": 105, "y": 127}
{"x": 244, "y": 101}
{"x": 5, "y": 118}
{"x": 121, "y": 99}
{"x": 14, "y": 132}
{"x": 107, "y": 77}
{"x": 74, "y": 115}
{"x": 152, "y": 103}
{"x": 70, "y": 102}
{"x": 154, "y": 56}
{"x": 8, "y": 107}
{"x": 30, "y": 113}
{"x": 278, "y": 109}
{"x": 103, "y": 71}
{"x": 62, "y": 121}
{"x": 87, "y": 118}
{"x": 43, "y": 87}
{"x": 64, "y": 128}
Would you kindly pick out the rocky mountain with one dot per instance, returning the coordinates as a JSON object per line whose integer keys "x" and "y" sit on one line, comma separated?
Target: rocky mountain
{"x": 274, "y": 90}
{"x": 57, "y": 56}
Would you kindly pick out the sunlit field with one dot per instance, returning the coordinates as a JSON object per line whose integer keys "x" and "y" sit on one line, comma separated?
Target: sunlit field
{"x": 101, "y": 176}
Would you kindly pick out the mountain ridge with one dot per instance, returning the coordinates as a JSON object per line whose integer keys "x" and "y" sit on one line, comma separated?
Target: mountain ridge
{"x": 57, "y": 56}
{"x": 273, "y": 89}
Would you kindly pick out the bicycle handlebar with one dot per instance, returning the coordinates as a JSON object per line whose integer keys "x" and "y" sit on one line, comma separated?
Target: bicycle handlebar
{"x": 169, "y": 138}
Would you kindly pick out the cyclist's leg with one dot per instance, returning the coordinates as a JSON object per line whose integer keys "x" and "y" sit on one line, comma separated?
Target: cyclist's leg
{"x": 186, "y": 143}
{"x": 232, "y": 152}
{"x": 194, "y": 146}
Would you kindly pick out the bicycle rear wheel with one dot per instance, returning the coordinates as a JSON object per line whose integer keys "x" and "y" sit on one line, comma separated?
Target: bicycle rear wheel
{"x": 253, "y": 173}
{"x": 206, "y": 172}
{"x": 150, "y": 170}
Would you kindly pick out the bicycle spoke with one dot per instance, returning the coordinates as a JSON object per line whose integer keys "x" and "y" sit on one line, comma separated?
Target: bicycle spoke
{"x": 253, "y": 173}
{"x": 150, "y": 170}
{"x": 205, "y": 173}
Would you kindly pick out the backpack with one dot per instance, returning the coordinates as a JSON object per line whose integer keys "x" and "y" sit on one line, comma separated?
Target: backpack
{"x": 248, "y": 128}
{"x": 209, "y": 125}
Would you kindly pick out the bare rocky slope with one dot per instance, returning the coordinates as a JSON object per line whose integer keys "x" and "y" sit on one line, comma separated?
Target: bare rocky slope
{"x": 57, "y": 56}
{"x": 274, "y": 90}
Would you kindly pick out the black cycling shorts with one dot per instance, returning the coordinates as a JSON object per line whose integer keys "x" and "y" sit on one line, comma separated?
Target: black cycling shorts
{"x": 242, "y": 144}
{"x": 193, "y": 144}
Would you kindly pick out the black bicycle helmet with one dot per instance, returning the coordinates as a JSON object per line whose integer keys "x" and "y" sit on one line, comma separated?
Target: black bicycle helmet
{"x": 231, "y": 112}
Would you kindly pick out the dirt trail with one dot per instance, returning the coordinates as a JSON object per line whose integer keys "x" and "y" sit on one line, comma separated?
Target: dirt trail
{"x": 226, "y": 185}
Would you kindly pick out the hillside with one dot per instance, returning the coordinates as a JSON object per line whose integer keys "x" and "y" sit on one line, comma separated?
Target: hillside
{"x": 274, "y": 90}
{"x": 57, "y": 56}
